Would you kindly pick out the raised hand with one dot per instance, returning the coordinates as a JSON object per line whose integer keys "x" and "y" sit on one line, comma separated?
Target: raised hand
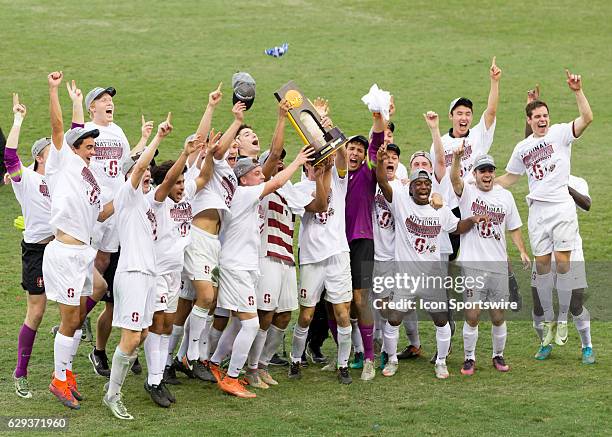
{"x": 283, "y": 108}
{"x": 146, "y": 127}
{"x": 459, "y": 151}
{"x": 304, "y": 155}
{"x": 322, "y": 106}
{"x": 432, "y": 120}
{"x": 18, "y": 108}
{"x": 534, "y": 94}
{"x": 215, "y": 97}
{"x": 213, "y": 139}
{"x": 382, "y": 155}
{"x": 436, "y": 201}
{"x": 54, "y": 79}
{"x": 75, "y": 93}
{"x": 238, "y": 111}
{"x": 195, "y": 144}
{"x": 165, "y": 127}
{"x": 495, "y": 72}
{"x": 574, "y": 81}
{"x": 326, "y": 122}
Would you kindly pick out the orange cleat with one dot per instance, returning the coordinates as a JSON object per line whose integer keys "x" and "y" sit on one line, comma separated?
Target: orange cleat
{"x": 217, "y": 371}
{"x": 72, "y": 384}
{"x": 63, "y": 394}
{"x": 234, "y": 387}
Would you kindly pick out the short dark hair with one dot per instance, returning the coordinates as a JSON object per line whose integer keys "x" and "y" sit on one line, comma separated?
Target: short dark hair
{"x": 78, "y": 142}
{"x": 462, "y": 101}
{"x": 531, "y": 106}
{"x": 159, "y": 172}
{"x": 391, "y": 126}
{"x": 243, "y": 126}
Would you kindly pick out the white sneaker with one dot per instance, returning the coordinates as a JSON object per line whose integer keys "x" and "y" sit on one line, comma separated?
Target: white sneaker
{"x": 441, "y": 371}
{"x": 561, "y": 334}
{"x": 390, "y": 369}
{"x": 331, "y": 366}
{"x": 117, "y": 407}
{"x": 368, "y": 372}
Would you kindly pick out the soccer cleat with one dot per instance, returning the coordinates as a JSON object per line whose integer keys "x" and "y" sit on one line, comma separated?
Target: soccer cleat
{"x": 549, "y": 332}
{"x": 99, "y": 362}
{"x": 469, "y": 366}
{"x": 357, "y": 361}
{"x": 266, "y": 377}
{"x": 63, "y": 394}
{"x": 181, "y": 367}
{"x": 167, "y": 392}
{"x": 278, "y": 361}
{"x": 410, "y": 352}
{"x": 543, "y": 352}
{"x": 441, "y": 371}
{"x": 304, "y": 360}
{"x": 384, "y": 358}
{"x": 86, "y": 332}
{"x": 72, "y": 384}
{"x": 368, "y": 372}
{"x": 500, "y": 364}
{"x": 561, "y": 333}
{"x": 344, "y": 377}
{"x": 170, "y": 376}
{"x": 117, "y": 408}
{"x": 315, "y": 355}
{"x": 216, "y": 371}
{"x": 390, "y": 369}
{"x": 295, "y": 370}
{"x": 234, "y": 387}
{"x": 202, "y": 372}
{"x": 136, "y": 367}
{"x": 515, "y": 295}
{"x": 331, "y": 366}
{"x": 253, "y": 379}
{"x": 588, "y": 355}
{"x": 157, "y": 394}
{"x": 54, "y": 330}
{"x": 22, "y": 388}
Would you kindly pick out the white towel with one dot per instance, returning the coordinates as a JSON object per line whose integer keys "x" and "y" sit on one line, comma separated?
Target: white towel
{"x": 378, "y": 101}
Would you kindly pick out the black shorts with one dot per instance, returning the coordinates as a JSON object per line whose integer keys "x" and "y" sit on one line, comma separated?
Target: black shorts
{"x": 109, "y": 276}
{"x": 31, "y": 267}
{"x": 454, "y": 238}
{"x": 362, "y": 263}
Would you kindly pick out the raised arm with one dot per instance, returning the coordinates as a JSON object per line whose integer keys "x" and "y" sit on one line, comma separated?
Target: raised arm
{"x": 214, "y": 98}
{"x": 146, "y": 127}
{"x": 76, "y": 96}
{"x": 323, "y": 175}
{"x": 149, "y": 152}
{"x": 11, "y": 158}
{"x": 379, "y": 124}
{"x": 227, "y": 137}
{"x": 507, "y": 180}
{"x": 177, "y": 169}
{"x": 574, "y": 82}
{"x": 517, "y": 239}
{"x": 433, "y": 123}
{"x": 381, "y": 173}
{"x": 581, "y": 200}
{"x": 495, "y": 74}
{"x": 207, "y": 169}
{"x": 282, "y": 177}
{"x": 55, "y": 110}
{"x": 455, "y": 174}
{"x": 532, "y": 95}
{"x": 278, "y": 139}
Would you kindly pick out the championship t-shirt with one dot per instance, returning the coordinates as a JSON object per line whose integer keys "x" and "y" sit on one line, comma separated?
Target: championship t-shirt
{"x": 384, "y": 226}
{"x": 32, "y": 193}
{"x": 218, "y": 192}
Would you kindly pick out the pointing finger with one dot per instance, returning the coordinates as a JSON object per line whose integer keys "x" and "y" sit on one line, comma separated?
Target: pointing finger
{"x": 493, "y": 64}
{"x": 220, "y": 85}
{"x": 15, "y": 99}
{"x": 169, "y": 118}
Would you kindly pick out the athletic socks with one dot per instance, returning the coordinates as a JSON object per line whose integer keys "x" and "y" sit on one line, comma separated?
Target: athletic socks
{"x": 257, "y": 348}
{"x": 391, "y": 336}
{"x": 470, "y": 338}
{"x": 152, "y": 352}
{"x": 344, "y": 345}
{"x": 89, "y": 305}
{"x": 203, "y": 347}
{"x": 76, "y": 341}
{"x": 213, "y": 340}
{"x": 538, "y": 325}
{"x": 367, "y": 338}
{"x": 355, "y": 336}
{"x": 62, "y": 353}
{"x": 498, "y": 337}
{"x": 564, "y": 292}
{"x": 411, "y": 326}
{"x": 198, "y": 323}
{"x": 177, "y": 333}
{"x": 120, "y": 367}
{"x": 583, "y": 325}
{"x": 164, "y": 343}
{"x": 185, "y": 340}
{"x": 274, "y": 338}
{"x": 443, "y": 337}
{"x": 224, "y": 347}
{"x": 298, "y": 343}
{"x": 545, "y": 285}
{"x": 242, "y": 345}
{"x": 25, "y": 343}
{"x": 333, "y": 327}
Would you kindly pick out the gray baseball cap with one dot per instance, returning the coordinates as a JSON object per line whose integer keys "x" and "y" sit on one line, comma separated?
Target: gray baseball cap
{"x": 421, "y": 153}
{"x": 245, "y": 165}
{"x": 127, "y": 164}
{"x": 420, "y": 174}
{"x": 265, "y": 155}
{"x": 484, "y": 161}
{"x": 78, "y": 133}
{"x": 189, "y": 138}
{"x": 243, "y": 85}
{"x": 39, "y": 146}
{"x": 97, "y": 92}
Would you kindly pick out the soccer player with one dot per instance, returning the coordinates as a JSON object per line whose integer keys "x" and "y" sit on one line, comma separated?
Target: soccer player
{"x": 553, "y": 225}
{"x": 483, "y": 256}
{"x": 68, "y": 260}
{"x": 32, "y": 193}
{"x": 134, "y": 288}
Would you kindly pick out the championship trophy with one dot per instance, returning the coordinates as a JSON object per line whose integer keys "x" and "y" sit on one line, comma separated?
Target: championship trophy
{"x": 307, "y": 123}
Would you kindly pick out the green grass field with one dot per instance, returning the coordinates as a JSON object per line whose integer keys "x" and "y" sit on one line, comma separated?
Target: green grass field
{"x": 167, "y": 56}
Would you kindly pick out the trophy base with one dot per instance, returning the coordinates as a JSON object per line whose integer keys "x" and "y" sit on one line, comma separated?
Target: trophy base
{"x": 337, "y": 140}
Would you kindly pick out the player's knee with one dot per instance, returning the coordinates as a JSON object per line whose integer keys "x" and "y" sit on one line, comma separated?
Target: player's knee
{"x": 281, "y": 320}
{"x": 219, "y": 322}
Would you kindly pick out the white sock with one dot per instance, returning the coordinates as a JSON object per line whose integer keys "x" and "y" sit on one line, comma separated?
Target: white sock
{"x": 62, "y": 352}
{"x": 76, "y": 341}
{"x": 204, "y": 346}
{"x": 177, "y": 333}
{"x": 564, "y": 292}
{"x": 242, "y": 345}
{"x": 538, "y": 325}
{"x": 356, "y": 336}
{"x": 152, "y": 352}
{"x": 198, "y": 323}
{"x": 298, "y": 343}
{"x": 344, "y": 345}
{"x": 273, "y": 340}
{"x": 470, "y": 338}
{"x": 185, "y": 340}
{"x": 121, "y": 364}
{"x": 498, "y": 336}
{"x": 213, "y": 340}
{"x": 163, "y": 351}
{"x": 583, "y": 325}
{"x": 257, "y": 348}
{"x": 545, "y": 285}
{"x": 379, "y": 325}
{"x": 411, "y": 326}
{"x": 391, "y": 335}
{"x": 443, "y": 336}
{"x": 224, "y": 347}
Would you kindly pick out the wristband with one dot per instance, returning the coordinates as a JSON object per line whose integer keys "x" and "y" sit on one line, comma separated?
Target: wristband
{"x": 17, "y": 119}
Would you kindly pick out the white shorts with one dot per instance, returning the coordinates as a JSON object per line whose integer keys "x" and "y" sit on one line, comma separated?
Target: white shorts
{"x": 277, "y": 286}
{"x": 332, "y": 274}
{"x": 68, "y": 272}
{"x": 106, "y": 235}
{"x": 135, "y": 297}
{"x": 202, "y": 256}
{"x": 488, "y": 286}
{"x": 186, "y": 290}
{"x": 167, "y": 292}
{"x": 552, "y": 226}
{"x": 222, "y": 312}
{"x": 237, "y": 290}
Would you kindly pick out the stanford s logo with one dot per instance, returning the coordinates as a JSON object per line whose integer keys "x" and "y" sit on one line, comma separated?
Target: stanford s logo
{"x": 70, "y": 292}
{"x": 40, "y": 282}
{"x": 135, "y": 317}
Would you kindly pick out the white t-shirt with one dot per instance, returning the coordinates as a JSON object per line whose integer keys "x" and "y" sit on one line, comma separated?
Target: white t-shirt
{"x": 484, "y": 246}
{"x": 192, "y": 171}
{"x": 239, "y": 235}
{"x": 32, "y": 193}
{"x": 173, "y": 229}
{"x": 477, "y": 142}
{"x": 137, "y": 226}
{"x": 383, "y": 225}
{"x": 75, "y": 194}
{"x": 323, "y": 235}
{"x": 546, "y": 160}
{"x": 582, "y": 187}
{"x": 218, "y": 192}
{"x": 112, "y": 147}
{"x": 401, "y": 172}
